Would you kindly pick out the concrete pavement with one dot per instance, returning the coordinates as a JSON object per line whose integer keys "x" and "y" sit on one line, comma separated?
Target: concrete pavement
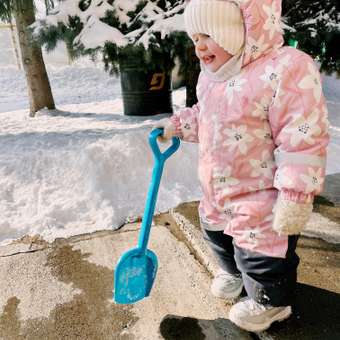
{"x": 63, "y": 290}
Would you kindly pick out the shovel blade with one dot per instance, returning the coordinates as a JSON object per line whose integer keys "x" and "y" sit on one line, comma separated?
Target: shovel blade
{"x": 134, "y": 276}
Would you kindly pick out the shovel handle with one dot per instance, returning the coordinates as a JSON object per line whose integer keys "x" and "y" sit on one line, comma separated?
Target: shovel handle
{"x": 160, "y": 158}
{"x": 155, "y": 148}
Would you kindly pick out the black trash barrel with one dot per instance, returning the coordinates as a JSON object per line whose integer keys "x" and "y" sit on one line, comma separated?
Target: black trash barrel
{"x": 144, "y": 93}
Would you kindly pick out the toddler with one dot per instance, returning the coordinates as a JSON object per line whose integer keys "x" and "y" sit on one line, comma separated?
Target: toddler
{"x": 261, "y": 124}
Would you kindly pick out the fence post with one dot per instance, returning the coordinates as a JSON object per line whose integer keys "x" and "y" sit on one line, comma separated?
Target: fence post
{"x": 15, "y": 44}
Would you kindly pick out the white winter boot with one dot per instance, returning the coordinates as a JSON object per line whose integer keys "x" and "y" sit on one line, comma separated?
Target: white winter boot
{"x": 255, "y": 317}
{"x": 226, "y": 285}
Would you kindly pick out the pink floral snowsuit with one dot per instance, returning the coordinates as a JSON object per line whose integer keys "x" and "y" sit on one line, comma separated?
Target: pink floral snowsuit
{"x": 261, "y": 131}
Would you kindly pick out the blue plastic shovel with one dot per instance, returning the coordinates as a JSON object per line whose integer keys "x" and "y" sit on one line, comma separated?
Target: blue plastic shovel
{"x": 136, "y": 269}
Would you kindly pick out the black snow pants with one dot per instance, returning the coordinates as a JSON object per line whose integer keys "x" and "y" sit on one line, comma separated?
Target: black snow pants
{"x": 267, "y": 280}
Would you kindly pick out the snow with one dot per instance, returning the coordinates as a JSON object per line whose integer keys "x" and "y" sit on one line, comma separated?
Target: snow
{"x": 123, "y": 7}
{"x": 165, "y": 26}
{"x": 96, "y": 33}
{"x": 70, "y": 85}
{"x": 70, "y": 8}
{"x": 86, "y": 166}
{"x": 90, "y": 38}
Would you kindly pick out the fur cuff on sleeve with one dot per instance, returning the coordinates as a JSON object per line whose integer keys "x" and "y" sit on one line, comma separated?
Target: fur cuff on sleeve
{"x": 290, "y": 217}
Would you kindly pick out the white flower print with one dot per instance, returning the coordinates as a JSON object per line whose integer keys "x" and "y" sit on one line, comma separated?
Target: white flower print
{"x": 264, "y": 133}
{"x": 222, "y": 180}
{"x": 199, "y": 88}
{"x": 303, "y": 129}
{"x": 256, "y": 47}
{"x": 324, "y": 115}
{"x": 273, "y": 23}
{"x": 262, "y": 108}
{"x": 263, "y": 166}
{"x": 271, "y": 77}
{"x": 269, "y": 218}
{"x": 202, "y": 106}
{"x": 281, "y": 180}
{"x": 210, "y": 86}
{"x": 276, "y": 100}
{"x": 233, "y": 85}
{"x": 276, "y": 84}
{"x": 226, "y": 209}
{"x": 312, "y": 81}
{"x": 285, "y": 61}
{"x": 216, "y": 127}
{"x": 189, "y": 128}
{"x": 241, "y": 1}
{"x": 313, "y": 180}
{"x": 252, "y": 235}
{"x": 238, "y": 138}
{"x": 261, "y": 186}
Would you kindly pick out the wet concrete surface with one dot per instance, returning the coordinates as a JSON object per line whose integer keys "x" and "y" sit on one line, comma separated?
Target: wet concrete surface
{"x": 64, "y": 290}
{"x": 87, "y": 316}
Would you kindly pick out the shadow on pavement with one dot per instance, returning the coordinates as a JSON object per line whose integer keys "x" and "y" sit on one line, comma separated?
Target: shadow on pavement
{"x": 175, "y": 327}
{"x": 316, "y": 316}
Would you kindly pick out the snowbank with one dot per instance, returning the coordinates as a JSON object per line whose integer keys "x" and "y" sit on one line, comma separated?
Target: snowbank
{"x": 65, "y": 173}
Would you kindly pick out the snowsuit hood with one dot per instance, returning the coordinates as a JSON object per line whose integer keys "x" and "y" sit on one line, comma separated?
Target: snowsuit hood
{"x": 263, "y": 31}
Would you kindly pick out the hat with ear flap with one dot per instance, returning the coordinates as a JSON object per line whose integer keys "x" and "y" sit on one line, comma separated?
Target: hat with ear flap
{"x": 220, "y": 19}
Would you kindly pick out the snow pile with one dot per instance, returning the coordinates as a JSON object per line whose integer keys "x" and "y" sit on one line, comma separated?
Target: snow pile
{"x": 65, "y": 173}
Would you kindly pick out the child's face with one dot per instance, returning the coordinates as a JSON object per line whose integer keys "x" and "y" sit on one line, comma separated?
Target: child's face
{"x": 212, "y": 55}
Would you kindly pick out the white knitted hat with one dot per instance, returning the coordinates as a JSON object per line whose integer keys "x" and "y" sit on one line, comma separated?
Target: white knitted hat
{"x": 220, "y": 19}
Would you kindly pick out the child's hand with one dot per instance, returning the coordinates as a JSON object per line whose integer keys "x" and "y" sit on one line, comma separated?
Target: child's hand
{"x": 168, "y": 129}
{"x": 290, "y": 217}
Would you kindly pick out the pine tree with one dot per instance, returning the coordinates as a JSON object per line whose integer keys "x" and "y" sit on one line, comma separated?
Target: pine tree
{"x": 144, "y": 28}
{"x": 146, "y": 36}
{"x": 316, "y": 27}
{"x": 38, "y": 85}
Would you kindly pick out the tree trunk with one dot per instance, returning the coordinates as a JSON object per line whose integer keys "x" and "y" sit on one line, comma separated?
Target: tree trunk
{"x": 39, "y": 90}
{"x": 191, "y": 77}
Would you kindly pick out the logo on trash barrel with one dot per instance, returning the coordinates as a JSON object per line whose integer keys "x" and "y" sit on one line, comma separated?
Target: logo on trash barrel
{"x": 157, "y": 81}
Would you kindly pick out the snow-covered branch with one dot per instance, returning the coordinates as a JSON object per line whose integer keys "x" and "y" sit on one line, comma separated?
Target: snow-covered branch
{"x": 120, "y": 22}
